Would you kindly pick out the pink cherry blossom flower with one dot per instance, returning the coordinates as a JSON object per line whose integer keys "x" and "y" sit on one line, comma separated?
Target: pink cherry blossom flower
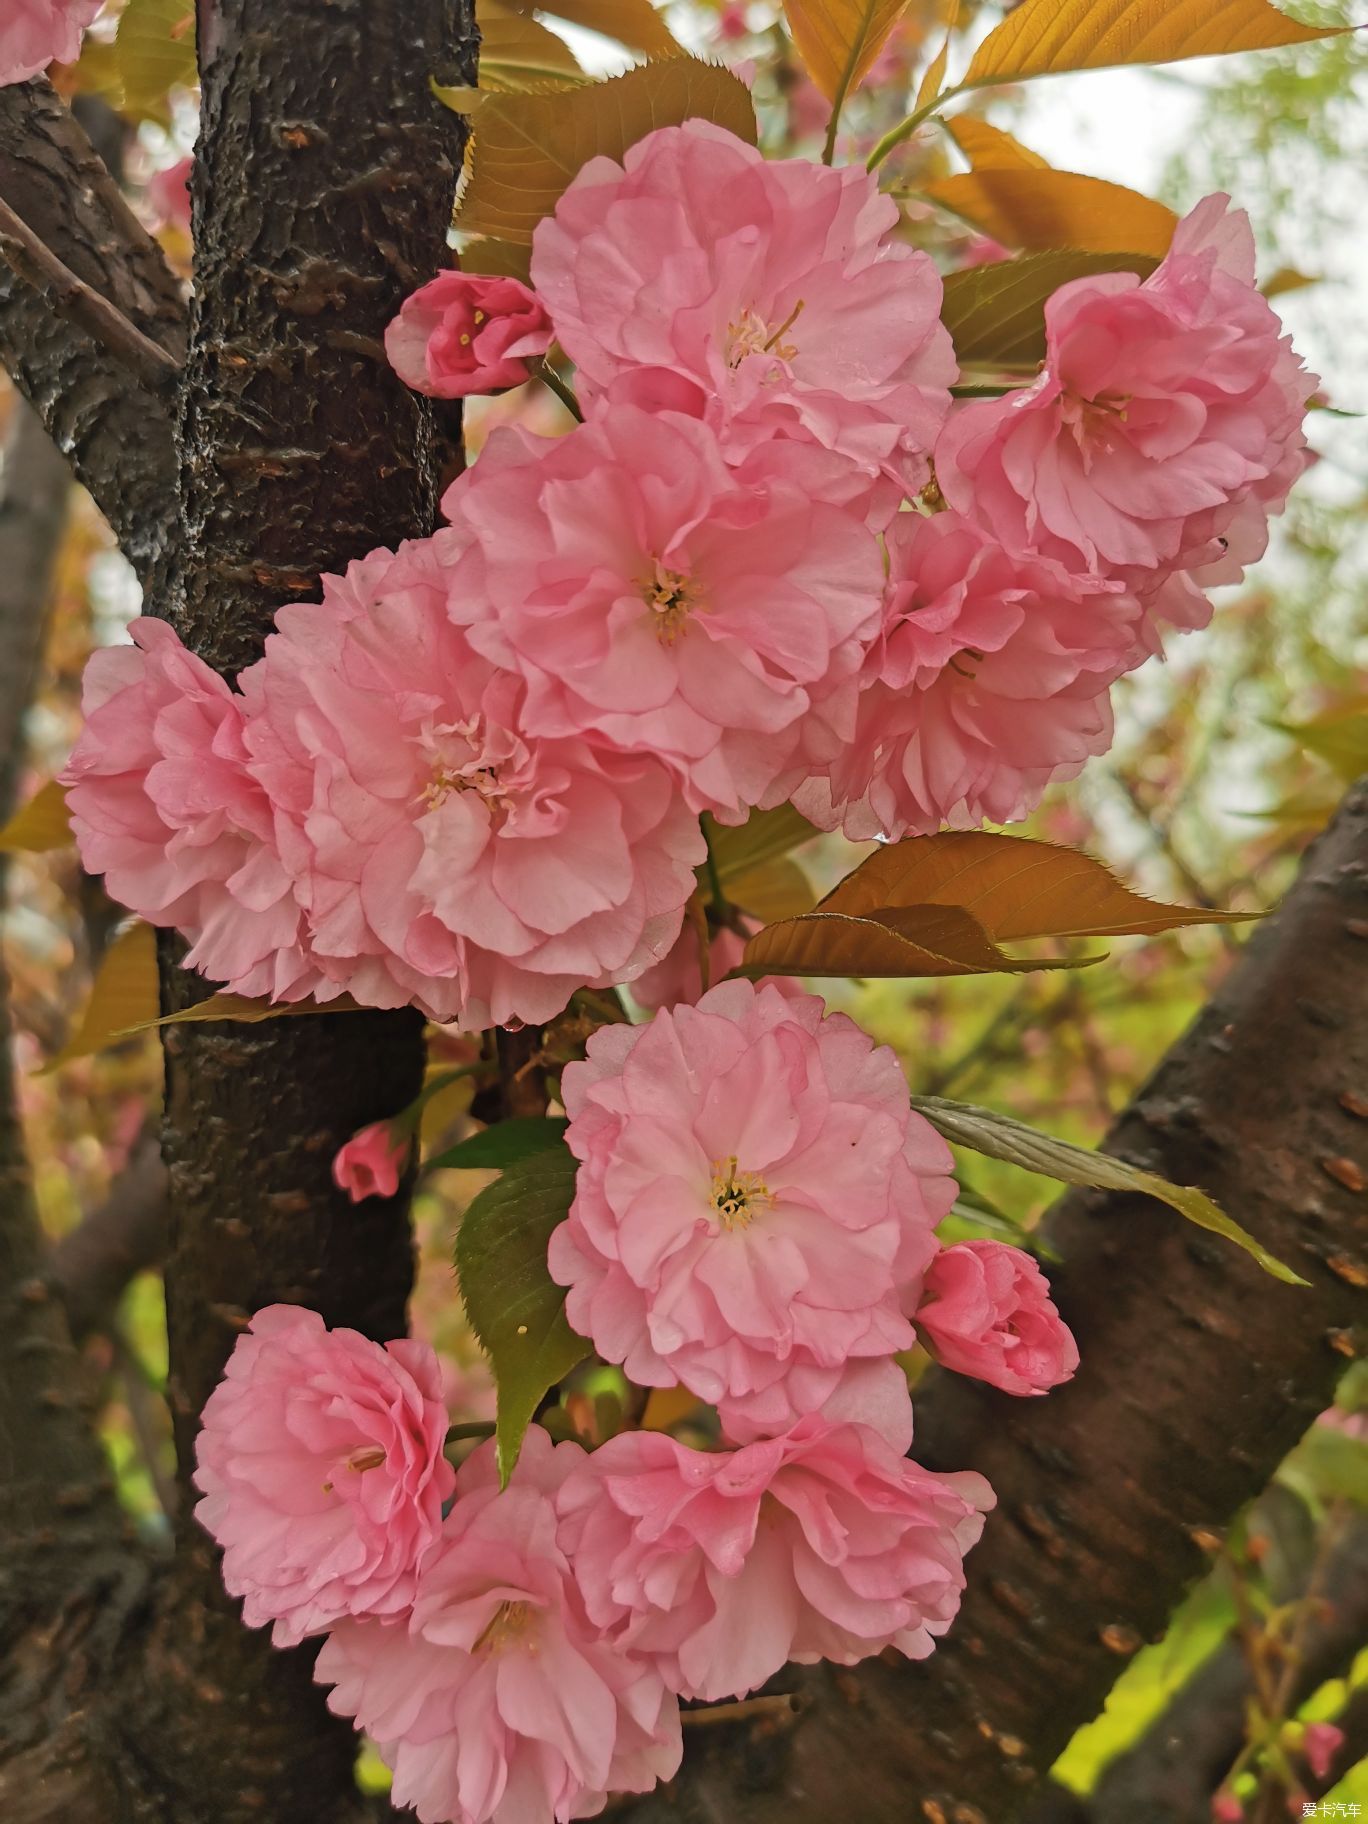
{"x": 1226, "y": 1808}
{"x": 447, "y": 852}
{"x": 992, "y": 678}
{"x": 1165, "y": 427}
{"x": 464, "y": 333}
{"x": 35, "y": 33}
{"x": 501, "y": 1699}
{"x": 662, "y": 602}
{"x": 1321, "y": 1742}
{"x": 984, "y": 1309}
{"x": 163, "y": 805}
{"x": 370, "y": 1163}
{"x": 320, "y": 1462}
{"x": 871, "y": 1391}
{"x": 821, "y": 1544}
{"x": 168, "y": 193}
{"x": 753, "y": 1188}
{"x": 777, "y": 284}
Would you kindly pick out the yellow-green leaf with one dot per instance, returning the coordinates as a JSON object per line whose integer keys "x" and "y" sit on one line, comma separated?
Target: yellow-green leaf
{"x": 1036, "y": 210}
{"x": 839, "y": 39}
{"x": 1046, "y": 37}
{"x": 496, "y": 259}
{"x": 1014, "y": 886}
{"x": 635, "y": 23}
{"x": 996, "y": 313}
{"x": 40, "y": 825}
{"x": 123, "y": 997}
{"x": 528, "y": 148}
{"x": 885, "y": 941}
{"x": 764, "y": 836}
{"x": 1339, "y": 737}
{"x": 776, "y": 889}
{"x": 1002, "y": 1137}
{"x": 242, "y": 1011}
{"x": 990, "y": 149}
{"x": 518, "y": 52}
{"x": 153, "y": 52}
{"x": 515, "y": 1308}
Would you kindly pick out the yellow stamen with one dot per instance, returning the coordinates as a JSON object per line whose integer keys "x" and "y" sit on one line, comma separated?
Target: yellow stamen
{"x": 737, "y": 1196}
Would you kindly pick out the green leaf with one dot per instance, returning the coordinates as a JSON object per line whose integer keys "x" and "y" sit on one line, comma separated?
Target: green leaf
{"x": 515, "y": 1308}
{"x": 39, "y": 826}
{"x": 1002, "y": 1137}
{"x": 505, "y": 1144}
{"x": 996, "y": 314}
{"x": 1328, "y": 1465}
{"x": 528, "y": 148}
{"x": 1339, "y": 737}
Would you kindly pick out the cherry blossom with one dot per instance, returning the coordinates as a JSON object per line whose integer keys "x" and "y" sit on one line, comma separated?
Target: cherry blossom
{"x": 753, "y": 1188}
{"x": 321, "y": 1469}
{"x": 661, "y": 602}
{"x": 777, "y": 285}
{"x": 371, "y": 1162}
{"x": 501, "y": 1698}
{"x": 821, "y": 1544}
{"x": 991, "y": 678}
{"x": 445, "y": 853}
{"x": 35, "y": 33}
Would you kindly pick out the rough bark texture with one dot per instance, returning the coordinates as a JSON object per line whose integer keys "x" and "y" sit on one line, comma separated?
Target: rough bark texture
{"x": 1199, "y": 1374}
{"x": 116, "y": 434}
{"x": 33, "y": 503}
{"x": 323, "y": 186}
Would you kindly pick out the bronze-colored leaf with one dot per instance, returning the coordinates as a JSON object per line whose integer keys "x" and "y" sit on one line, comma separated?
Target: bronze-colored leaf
{"x": 884, "y": 941}
{"x": 839, "y": 39}
{"x": 988, "y": 148}
{"x": 1036, "y": 210}
{"x": 40, "y": 825}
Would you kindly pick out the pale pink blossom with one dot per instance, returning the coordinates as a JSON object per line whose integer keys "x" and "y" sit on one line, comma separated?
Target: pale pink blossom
{"x": 370, "y": 1163}
{"x": 168, "y": 193}
{"x": 163, "y": 805}
{"x": 1226, "y": 1808}
{"x": 776, "y": 284}
{"x": 1320, "y": 1743}
{"x": 663, "y": 602}
{"x": 465, "y": 333}
{"x": 821, "y": 1544}
{"x": 35, "y": 33}
{"x": 1164, "y": 429}
{"x": 501, "y": 1700}
{"x": 445, "y": 849}
{"x": 871, "y": 1391}
{"x": 991, "y": 678}
{"x": 753, "y": 1188}
{"x": 984, "y": 1309}
{"x": 320, "y": 1463}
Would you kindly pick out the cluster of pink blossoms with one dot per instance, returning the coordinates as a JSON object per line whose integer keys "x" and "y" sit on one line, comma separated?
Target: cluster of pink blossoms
{"x": 772, "y": 564}
{"x": 754, "y": 1220}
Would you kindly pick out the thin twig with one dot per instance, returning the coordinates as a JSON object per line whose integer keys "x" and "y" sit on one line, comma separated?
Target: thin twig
{"x": 785, "y": 1704}
{"x": 35, "y": 262}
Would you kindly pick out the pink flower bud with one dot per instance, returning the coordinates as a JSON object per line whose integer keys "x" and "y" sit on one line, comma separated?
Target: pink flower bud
{"x": 370, "y": 1163}
{"x": 464, "y": 333}
{"x": 985, "y": 1311}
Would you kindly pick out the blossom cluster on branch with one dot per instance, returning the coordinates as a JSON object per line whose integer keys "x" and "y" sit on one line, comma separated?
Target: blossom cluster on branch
{"x": 774, "y": 563}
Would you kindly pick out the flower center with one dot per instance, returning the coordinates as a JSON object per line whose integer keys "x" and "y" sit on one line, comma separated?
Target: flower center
{"x": 364, "y": 1457}
{"x": 738, "y": 1197}
{"x": 509, "y": 1622}
{"x": 469, "y": 757}
{"x": 671, "y": 596}
{"x": 1094, "y": 421}
{"x": 750, "y": 334}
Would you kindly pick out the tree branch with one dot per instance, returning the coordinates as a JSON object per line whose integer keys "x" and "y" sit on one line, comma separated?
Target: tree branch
{"x": 115, "y": 432}
{"x": 1199, "y": 1373}
{"x": 93, "y": 1263}
{"x": 34, "y": 261}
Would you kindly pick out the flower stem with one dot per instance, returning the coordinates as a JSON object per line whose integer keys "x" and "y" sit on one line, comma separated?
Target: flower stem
{"x": 549, "y": 377}
{"x": 906, "y": 128}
